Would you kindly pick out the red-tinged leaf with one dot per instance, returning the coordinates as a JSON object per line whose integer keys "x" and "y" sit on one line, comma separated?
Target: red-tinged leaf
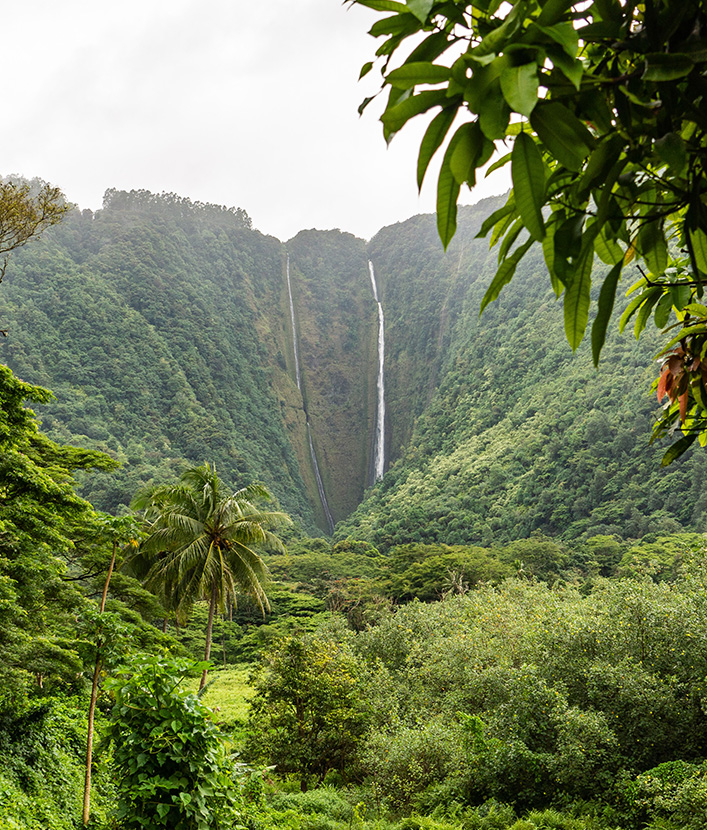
{"x": 662, "y": 384}
{"x": 683, "y": 407}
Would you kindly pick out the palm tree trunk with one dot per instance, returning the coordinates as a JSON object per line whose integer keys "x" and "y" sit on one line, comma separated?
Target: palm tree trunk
{"x": 209, "y": 632}
{"x": 92, "y": 705}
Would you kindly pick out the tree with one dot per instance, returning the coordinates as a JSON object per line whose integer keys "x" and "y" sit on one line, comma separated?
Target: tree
{"x": 308, "y": 714}
{"x": 599, "y": 105}
{"x": 26, "y": 209}
{"x": 202, "y": 542}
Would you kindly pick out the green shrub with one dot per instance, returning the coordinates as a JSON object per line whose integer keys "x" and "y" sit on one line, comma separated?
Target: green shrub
{"x": 171, "y": 766}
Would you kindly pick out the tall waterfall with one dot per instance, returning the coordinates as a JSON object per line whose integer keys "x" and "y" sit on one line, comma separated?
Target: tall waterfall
{"x": 315, "y": 465}
{"x": 294, "y": 328}
{"x": 379, "y": 448}
{"x": 320, "y": 483}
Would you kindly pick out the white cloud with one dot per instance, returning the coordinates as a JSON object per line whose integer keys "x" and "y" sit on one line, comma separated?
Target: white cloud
{"x": 241, "y": 103}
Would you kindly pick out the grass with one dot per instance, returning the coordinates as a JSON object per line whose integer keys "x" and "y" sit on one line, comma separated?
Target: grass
{"x": 229, "y": 694}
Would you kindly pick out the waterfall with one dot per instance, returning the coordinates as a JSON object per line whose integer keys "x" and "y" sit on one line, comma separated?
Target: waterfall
{"x": 320, "y": 484}
{"x": 294, "y": 329}
{"x": 379, "y": 447}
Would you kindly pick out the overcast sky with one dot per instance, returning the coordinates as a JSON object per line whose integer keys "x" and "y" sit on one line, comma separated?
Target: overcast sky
{"x": 247, "y": 103}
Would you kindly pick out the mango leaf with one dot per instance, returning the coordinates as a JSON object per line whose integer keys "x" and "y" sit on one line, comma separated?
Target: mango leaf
{"x": 565, "y": 34}
{"x": 553, "y": 10}
{"x": 652, "y": 295}
{"x": 397, "y": 24}
{"x": 528, "y": 174}
{"x": 491, "y": 220}
{"x": 662, "y": 311}
{"x": 629, "y": 311}
{"x": 607, "y": 248}
{"x": 468, "y": 143}
{"x": 665, "y": 66}
{"x": 564, "y": 136}
{"x": 671, "y": 149}
{"x": 678, "y": 448}
{"x": 519, "y": 85}
{"x": 698, "y": 241}
{"x": 382, "y": 5}
{"x": 447, "y": 195}
{"x": 571, "y": 68}
{"x": 433, "y": 138}
{"x": 653, "y": 247}
{"x": 577, "y": 298}
{"x": 607, "y": 296}
{"x": 421, "y": 72}
{"x": 502, "y": 162}
{"x": 549, "y": 255}
{"x": 420, "y": 8}
{"x": 494, "y": 113}
{"x": 398, "y": 115}
{"x": 509, "y": 238}
{"x": 505, "y": 273}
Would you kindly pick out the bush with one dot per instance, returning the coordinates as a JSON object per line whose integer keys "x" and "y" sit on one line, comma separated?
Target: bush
{"x": 171, "y": 766}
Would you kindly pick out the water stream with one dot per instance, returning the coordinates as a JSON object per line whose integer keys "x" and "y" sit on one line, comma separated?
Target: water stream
{"x": 313, "y": 455}
{"x": 379, "y": 446}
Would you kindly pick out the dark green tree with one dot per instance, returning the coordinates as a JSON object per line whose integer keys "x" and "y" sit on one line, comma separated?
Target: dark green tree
{"x": 600, "y": 108}
{"x": 201, "y": 538}
{"x": 308, "y": 714}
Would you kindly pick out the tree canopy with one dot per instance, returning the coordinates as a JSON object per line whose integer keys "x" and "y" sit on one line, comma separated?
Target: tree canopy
{"x": 599, "y": 106}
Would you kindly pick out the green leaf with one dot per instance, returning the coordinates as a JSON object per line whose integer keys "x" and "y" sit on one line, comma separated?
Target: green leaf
{"x": 420, "y": 8}
{"x": 420, "y": 72}
{"x": 494, "y": 113}
{"x": 571, "y": 68}
{"x": 382, "y": 5}
{"x": 565, "y": 34}
{"x": 678, "y": 448}
{"x": 671, "y": 149}
{"x": 553, "y": 10}
{"x": 365, "y": 69}
{"x": 653, "y": 247}
{"x": 629, "y": 311}
{"x": 665, "y": 66}
{"x": 468, "y": 144}
{"x": 698, "y": 241}
{"x": 399, "y": 114}
{"x": 577, "y": 298}
{"x": 505, "y": 273}
{"x": 502, "y": 162}
{"x": 519, "y": 85}
{"x": 447, "y": 195}
{"x": 491, "y": 220}
{"x": 433, "y": 138}
{"x": 607, "y": 297}
{"x": 549, "y": 254}
{"x": 564, "y": 136}
{"x": 651, "y": 297}
{"x": 662, "y": 310}
{"x": 528, "y": 174}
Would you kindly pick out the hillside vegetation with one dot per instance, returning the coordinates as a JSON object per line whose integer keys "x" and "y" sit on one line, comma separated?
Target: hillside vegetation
{"x": 163, "y": 328}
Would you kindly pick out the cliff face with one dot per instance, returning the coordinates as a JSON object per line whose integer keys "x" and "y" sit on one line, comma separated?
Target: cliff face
{"x": 165, "y": 330}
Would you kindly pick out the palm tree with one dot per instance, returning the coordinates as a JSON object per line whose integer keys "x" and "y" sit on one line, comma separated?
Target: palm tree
{"x": 200, "y": 543}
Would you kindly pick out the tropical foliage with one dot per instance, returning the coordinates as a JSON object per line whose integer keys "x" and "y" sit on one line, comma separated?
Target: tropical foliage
{"x": 199, "y": 543}
{"x": 599, "y": 107}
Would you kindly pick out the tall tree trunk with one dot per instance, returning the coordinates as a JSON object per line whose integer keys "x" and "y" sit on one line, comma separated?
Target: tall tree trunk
{"x": 209, "y": 632}
{"x": 92, "y": 705}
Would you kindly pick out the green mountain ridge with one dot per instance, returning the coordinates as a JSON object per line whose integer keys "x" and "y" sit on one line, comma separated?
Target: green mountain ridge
{"x": 163, "y": 328}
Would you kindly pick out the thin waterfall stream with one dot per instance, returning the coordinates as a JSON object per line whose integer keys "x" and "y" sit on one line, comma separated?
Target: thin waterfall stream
{"x": 379, "y": 446}
{"x": 313, "y": 455}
